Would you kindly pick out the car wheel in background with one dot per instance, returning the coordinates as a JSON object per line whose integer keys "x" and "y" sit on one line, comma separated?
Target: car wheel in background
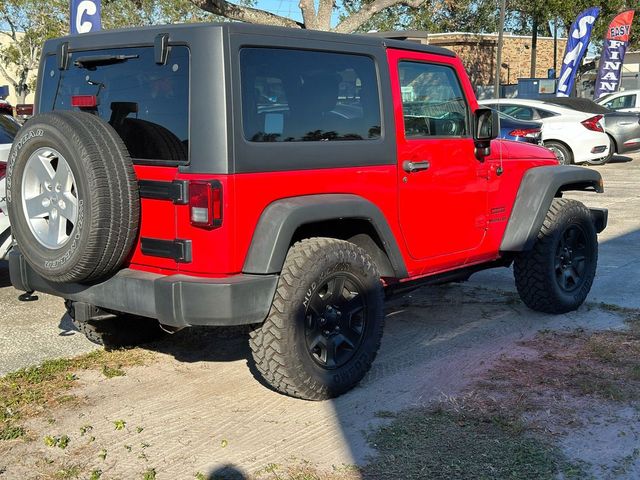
{"x": 561, "y": 151}
{"x": 604, "y": 160}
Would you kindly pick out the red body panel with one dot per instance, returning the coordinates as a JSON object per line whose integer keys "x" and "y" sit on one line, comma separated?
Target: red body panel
{"x": 452, "y": 215}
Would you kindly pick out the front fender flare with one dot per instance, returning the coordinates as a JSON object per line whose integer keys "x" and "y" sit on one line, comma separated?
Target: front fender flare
{"x": 537, "y": 190}
{"x": 280, "y": 220}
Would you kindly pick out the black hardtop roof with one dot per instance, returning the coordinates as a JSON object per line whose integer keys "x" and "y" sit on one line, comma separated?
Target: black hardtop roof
{"x": 118, "y": 37}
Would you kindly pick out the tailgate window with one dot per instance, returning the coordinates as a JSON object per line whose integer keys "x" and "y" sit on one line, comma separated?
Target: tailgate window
{"x": 146, "y": 103}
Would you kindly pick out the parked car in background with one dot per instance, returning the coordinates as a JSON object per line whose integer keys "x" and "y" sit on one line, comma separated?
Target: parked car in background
{"x": 623, "y": 127}
{"x": 5, "y": 108}
{"x": 520, "y": 130}
{"x": 574, "y": 137}
{"x": 8, "y": 130}
{"x": 627, "y": 101}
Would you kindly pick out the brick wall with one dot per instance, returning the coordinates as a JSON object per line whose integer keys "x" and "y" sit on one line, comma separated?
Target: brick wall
{"x": 478, "y": 54}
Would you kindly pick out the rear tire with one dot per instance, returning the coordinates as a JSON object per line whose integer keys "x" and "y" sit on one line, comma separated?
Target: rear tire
{"x": 555, "y": 276}
{"x": 561, "y": 151}
{"x": 325, "y": 324}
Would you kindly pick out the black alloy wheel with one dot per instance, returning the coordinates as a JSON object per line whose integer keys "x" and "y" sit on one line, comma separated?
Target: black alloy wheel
{"x": 335, "y": 321}
{"x": 571, "y": 258}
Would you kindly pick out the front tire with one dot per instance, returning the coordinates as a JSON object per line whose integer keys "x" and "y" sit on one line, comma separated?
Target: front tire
{"x": 325, "y": 324}
{"x": 556, "y": 275}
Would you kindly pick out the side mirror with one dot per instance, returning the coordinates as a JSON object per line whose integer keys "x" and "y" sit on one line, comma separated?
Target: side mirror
{"x": 486, "y": 127}
{"x": 486, "y": 124}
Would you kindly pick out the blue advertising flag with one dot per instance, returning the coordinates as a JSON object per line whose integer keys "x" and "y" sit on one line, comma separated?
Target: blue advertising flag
{"x": 85, "y": 16}
{"x": 615, "y": 46}
{"x": 576, "y": 46}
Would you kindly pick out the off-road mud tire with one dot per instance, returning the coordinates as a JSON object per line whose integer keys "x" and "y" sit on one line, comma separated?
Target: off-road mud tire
{"x": 278, "y": 345}
{"x": 536, "y": 271}
{"x": 107, "y": 191}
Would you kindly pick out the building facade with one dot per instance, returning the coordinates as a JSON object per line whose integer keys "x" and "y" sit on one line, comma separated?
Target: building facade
{"x": 478, "y": 53}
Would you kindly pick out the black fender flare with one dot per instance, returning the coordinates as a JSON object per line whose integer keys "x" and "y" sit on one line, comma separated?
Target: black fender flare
{"x": 538, "y": 188}
{"x": 280, "y": 220}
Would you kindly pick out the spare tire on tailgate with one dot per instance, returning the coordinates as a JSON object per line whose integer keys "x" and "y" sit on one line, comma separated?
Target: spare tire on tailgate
{"x": 72, "y": 196}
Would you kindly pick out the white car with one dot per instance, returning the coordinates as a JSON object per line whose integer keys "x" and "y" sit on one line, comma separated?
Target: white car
{"x": 8, "y": 129}
{"x": 574, "y": 137}
{"x": 627, "y": 101}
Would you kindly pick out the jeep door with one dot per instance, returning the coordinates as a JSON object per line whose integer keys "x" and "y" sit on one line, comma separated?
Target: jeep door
{"x": 441, "y": 184}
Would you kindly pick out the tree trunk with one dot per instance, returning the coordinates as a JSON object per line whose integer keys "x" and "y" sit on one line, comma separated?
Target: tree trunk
{"x": 22, "y": 96}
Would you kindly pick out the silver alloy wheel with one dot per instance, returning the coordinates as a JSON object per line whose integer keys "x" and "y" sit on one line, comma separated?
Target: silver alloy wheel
{"x": 49, "y": 197}
{"x": 562, "y": 159}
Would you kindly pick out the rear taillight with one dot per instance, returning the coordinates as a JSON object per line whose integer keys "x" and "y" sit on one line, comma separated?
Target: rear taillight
{"x": 84, "y": 101}
{"x": 24, "y": 109}
{"x": 592, "y": 123}
{"x": 205, "y": 204}
{"x": 525, "y": 132}
{"x": 3, "y": 169}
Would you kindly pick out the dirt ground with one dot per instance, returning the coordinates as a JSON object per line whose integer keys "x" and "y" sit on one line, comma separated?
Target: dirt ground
{"x": 198, "y": 409}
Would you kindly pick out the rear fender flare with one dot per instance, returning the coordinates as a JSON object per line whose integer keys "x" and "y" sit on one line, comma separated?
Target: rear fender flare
{"x": 280, "y": 220}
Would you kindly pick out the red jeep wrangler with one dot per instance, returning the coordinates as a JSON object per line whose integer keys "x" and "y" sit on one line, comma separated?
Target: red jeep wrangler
{"x": 231, "y": 174}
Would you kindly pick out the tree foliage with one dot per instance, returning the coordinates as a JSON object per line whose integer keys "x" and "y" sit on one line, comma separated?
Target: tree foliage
{"x": 351, "y": 15}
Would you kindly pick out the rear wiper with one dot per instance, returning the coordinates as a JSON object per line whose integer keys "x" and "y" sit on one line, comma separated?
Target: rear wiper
{"x": 99, "y": 60}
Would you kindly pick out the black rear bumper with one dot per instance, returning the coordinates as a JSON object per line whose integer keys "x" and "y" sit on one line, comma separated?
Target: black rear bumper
{"x": 175, "y": 300}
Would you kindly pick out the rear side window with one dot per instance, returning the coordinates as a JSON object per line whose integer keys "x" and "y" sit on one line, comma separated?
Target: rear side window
{"x": 545, "y": 113}
{"x": 624, "y": 101}
{"x": 517, "y": 111}
{"x": 296, "y": 96}
{"x": 146, "y": 103}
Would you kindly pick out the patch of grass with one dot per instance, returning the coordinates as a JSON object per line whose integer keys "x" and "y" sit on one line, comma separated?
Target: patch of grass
{"x": 111, "y": 372}
{"x": 31, "y": 391}
{"x": 119, "y": 424}
{"x": 60, "y": 441}
{"x": 11, "y": 432}
{"x": 102, "y": 454}
{"x": 95, "y": 474}
{"x": 440, "y": 444}
{"x": 149, "y": 474}
{"x": 69, "y": 472}
{"x": 297, "y": 470}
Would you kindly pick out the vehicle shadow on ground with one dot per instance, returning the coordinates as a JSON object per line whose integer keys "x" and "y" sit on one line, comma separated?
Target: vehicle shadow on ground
{"x": 620, "y": 159}
{"x": 4, "y": 274}
{"x": 205, "y": 344}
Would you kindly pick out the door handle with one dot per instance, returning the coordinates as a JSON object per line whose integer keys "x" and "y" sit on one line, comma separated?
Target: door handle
{"x": 411, "y": 167}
